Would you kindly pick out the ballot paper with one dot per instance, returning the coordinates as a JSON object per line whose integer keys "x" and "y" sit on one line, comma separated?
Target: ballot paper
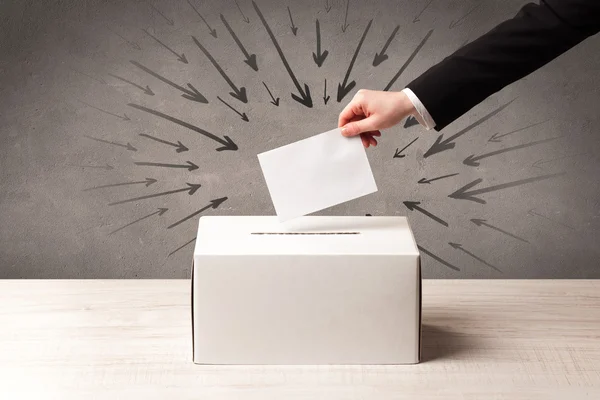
{"x": 315, "y": 173}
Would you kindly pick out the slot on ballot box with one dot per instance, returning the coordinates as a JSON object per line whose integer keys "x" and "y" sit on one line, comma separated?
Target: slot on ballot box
{"x": 315, "y": 290}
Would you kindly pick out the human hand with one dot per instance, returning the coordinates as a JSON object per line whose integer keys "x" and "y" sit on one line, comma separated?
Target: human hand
{"x": 370, "y": 110}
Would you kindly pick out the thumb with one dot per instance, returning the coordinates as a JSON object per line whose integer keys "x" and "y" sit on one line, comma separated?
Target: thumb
{"x": 357, "y": 127}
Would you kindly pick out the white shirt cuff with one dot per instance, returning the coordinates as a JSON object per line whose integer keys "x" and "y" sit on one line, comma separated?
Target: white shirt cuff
{"x": 423, "y": 115}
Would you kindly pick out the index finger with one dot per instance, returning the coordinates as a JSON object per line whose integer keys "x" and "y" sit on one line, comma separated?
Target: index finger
{"x": 349, "y": 113}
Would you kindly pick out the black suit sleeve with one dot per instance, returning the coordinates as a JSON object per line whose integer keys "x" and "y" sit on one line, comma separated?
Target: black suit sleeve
{"x": 515, "y": 48}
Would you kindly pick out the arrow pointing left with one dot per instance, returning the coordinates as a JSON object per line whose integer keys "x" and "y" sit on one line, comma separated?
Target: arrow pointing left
{"x": 414, "y": 205}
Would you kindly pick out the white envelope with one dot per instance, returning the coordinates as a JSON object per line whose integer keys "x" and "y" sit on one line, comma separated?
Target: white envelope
{"x": 315, "y": 173}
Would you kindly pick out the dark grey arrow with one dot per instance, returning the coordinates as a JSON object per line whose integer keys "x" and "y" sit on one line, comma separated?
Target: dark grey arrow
{"x": 100, "y": 80}
{"x": 227, "y": 143}
{"x": 414, "y": 205}
{"x": 160, "y": 212}
{"x": 345, "y": 26}
{"x": 459, "y": 247}
{"x": 294, "y": 28}
{"x": 240, "y": 93}
{"x": 213, "y": 32}
{"x": 213, "y": 204}
{"x": 180, "y": 57}
{"x": 532, "y": 212}
{"x": 405, "y": 65}
{"x": 443, "y": 262}
{"x": 398, "y": 153}
{"x": 381, "y": 57}
{"x": 129, "y": 42}
{"x": 304, "y": 97}
{"x": 243, "y": 115}
{"x": 274, "y": 101}
{"x": 483, "y": 222}
{"x": 169, "y": 21}
{"x": 191, "y": 189}
{"x": 541, "y": 162}
{"x": 318, "y": 56}
{"x": 128, "y": 146}
{"x": 416, "y": 19}
{"x": 181, "y": 247}
{"x": 423, "y": 180}
{"x": 473, "y": 161}
{"x": 246, "y": 20}
{"x": 410, "y": 121}
{"x": 106, "y": 167}
{"x": 146, "y": 89}
{"x": 442, "y": 145}
{"x": 464, "y": 194}
{"x": 147, "y": 182}
{"x": 496, "y": 137}
{"x": 179, "y": 147}
{"x": 191, "y": 94}
{"x": 325, "y": 97}
{"x": 327, "y": 6}
{"x": 124, "y": 117}
{"x": 461, "y": 19}
{"x": 250, "y": 58}
{"x": 190, "y": 166}
{"x": 344, "y": 88}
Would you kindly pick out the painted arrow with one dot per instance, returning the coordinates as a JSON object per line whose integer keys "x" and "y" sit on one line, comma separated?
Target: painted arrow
{"x": 410, "y": 121}
{"x": 191, "y": 189}
{"x": 160, "y": 212}
{"x": 464, "y": 194}
{"x": 325, "y": 97}
{"x": 179, "y": 147}
{"x": 473, "y": 161}
{"x": 97, "y": 79}
{"x": 406, "y": 64}
{"x": 106, "y": 167}
{"x": 227, "y": 143}
{"x": 304, "y": 97}
{"x": 496, "y": 137}
{"x": 534, "y": 213}
{"x": 274, "y": 101}
{"x": 438, "y": 259}
{"x": 483, "y": 222}
{"x": 381, "y": 57}
{"x": 213, "y": 32}
{"x": 240, "y": 93}
{"x": 147, "y": 182}
{"x": 128, "y": 146}
{"x": 458, "y": 22}
{"x": 459, "y": 247}
{"x": 327, "y": 6}
{"x": 250, "y": 58}
{"x": 180, "y": 57}
{"x": 423, "y": 180}
{"x": 129, "y": 42}
{"x": 243, "y": 115}
{"x": 181, "y": 247}
{"x": 443, "y": 145}
{"x": 344, "y": 88}
{"x": 190, "y": 166}
{"x": 414, "y": 205}
{"x": 541, "y": 162}
{"x": 213, "y": 204}
{"x": 192, "y": 94}
{"x": 246, "y": 20}
{"x": 294, "y": 28}
{"x": 345, "y": 26}
{"x": 318, "y": 56}
{"x": 146, "y": 89}
{"x": 416, "y": 19}
{"x": 169, "y": 21}
{"x": 398, "y": 154}
{"x": 124, "y": 117}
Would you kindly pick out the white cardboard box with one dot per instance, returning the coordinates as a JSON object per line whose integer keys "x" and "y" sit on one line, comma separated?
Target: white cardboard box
{"x": 316, "y": 290}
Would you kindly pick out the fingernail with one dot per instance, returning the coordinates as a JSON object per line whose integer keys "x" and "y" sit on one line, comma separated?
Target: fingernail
{"x": 344, "y": 131}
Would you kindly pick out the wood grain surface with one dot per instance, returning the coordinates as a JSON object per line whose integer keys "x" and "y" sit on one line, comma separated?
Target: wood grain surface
{"x": 131, "y": 339}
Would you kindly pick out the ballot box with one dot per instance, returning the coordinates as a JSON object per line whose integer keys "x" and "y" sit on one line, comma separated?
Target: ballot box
{"x": 314, "y": 290}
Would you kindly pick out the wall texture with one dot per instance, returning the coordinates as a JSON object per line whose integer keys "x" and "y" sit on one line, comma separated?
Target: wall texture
{"x": 110, "y": 113}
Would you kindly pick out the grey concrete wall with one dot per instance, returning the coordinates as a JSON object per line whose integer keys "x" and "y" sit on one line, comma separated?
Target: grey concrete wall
{"x": 66, "y": 130}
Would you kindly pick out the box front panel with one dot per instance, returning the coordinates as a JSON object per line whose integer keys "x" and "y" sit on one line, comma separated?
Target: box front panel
{"x": 306, "y": 309}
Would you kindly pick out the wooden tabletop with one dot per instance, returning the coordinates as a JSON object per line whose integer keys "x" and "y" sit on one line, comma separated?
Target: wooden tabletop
{"x": 131, "y": 339}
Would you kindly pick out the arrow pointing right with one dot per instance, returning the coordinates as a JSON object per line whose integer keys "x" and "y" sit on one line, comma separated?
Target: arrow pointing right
{"x": 459, "y": 247}
{"x": 213, "y": 32}
{"x": 128, "y": 146}
{"x": 190, "y": 166}
{"x": 213, "y": 204}
{"x": 192, "y": 94}
{"x": 160, "y": 212}
{"x": 148, "y": 182}
{"x": 274, "y": 101}
{"x": 414, "y": 205}
{"x": 180, "y": 57}
{"x": 250, "y": 58}
{"x": 191, "y": 189}
{"x": 179, "y": 147}
{"x": 483, "y": 222}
